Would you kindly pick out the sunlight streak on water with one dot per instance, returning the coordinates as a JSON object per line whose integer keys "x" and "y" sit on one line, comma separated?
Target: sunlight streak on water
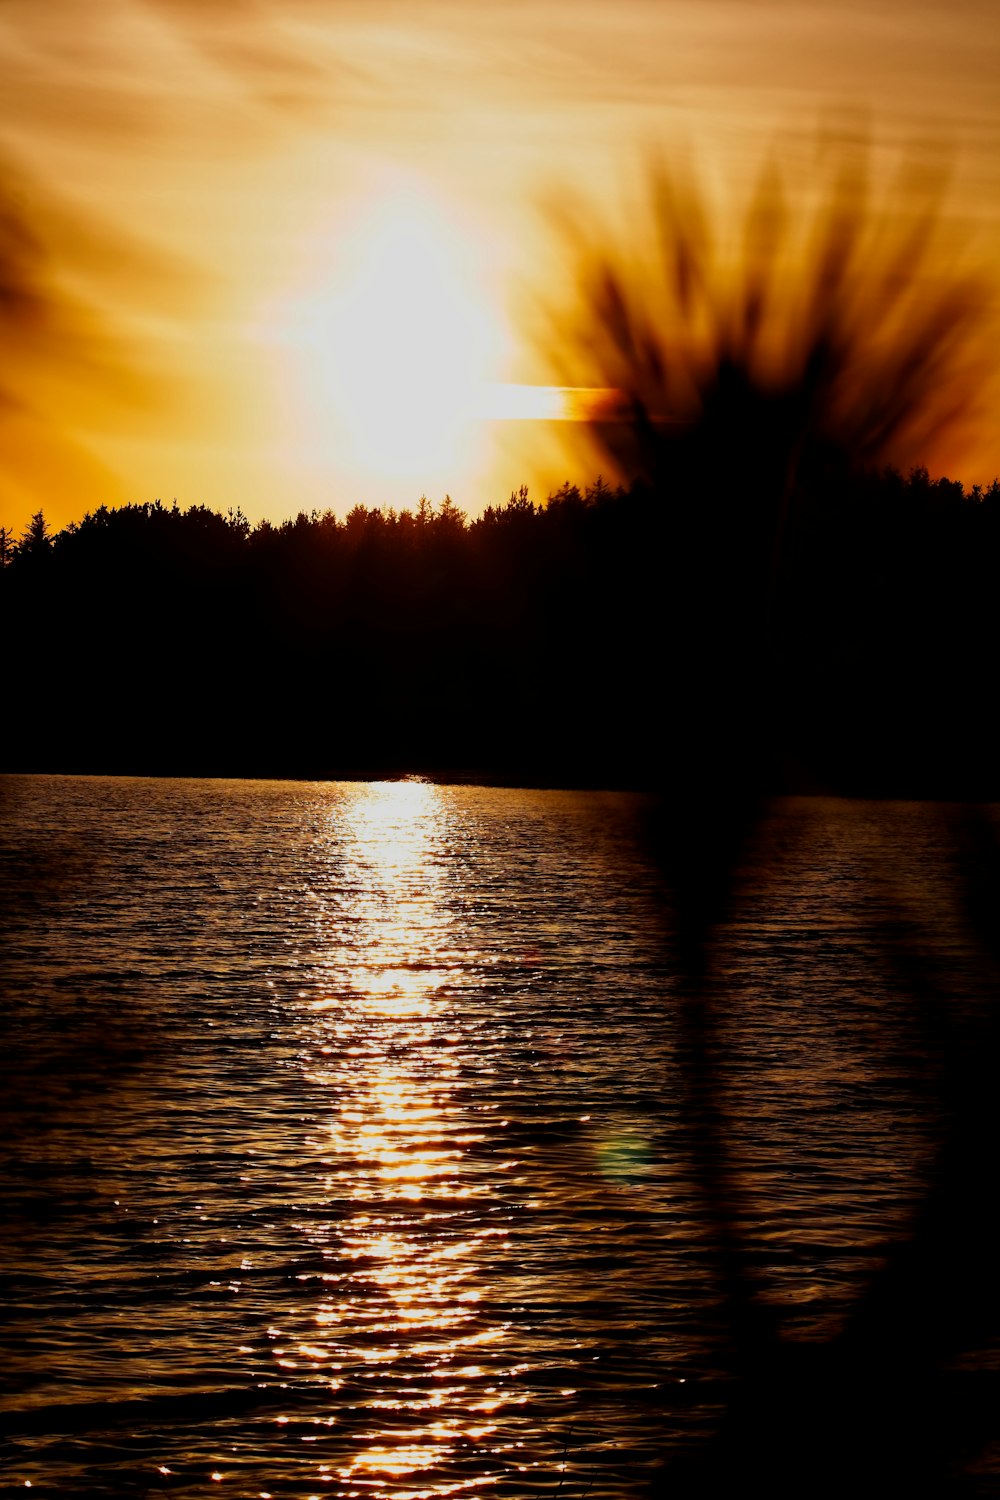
{"x": 397, "y": 1139}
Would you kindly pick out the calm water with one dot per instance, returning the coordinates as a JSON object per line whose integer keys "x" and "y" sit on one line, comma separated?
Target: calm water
{"x": 344, "y": 1139}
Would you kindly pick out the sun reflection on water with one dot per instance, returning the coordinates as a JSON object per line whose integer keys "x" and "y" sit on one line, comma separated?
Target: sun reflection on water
{"x": 405, "y": 1316}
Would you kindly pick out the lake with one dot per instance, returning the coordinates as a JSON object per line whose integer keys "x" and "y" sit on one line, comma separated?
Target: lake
{"x": 345, "y": 1138}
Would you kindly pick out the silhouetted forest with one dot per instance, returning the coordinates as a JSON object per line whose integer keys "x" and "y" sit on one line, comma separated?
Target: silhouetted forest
{"x": 537, "y": 642}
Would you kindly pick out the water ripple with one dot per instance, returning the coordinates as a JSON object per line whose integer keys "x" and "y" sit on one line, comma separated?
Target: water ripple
{"x": 346, "y": 1149}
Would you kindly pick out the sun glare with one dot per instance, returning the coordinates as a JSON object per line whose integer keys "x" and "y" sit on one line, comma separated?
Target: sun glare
{"x": 390, "y": 347}
{"x": 396, "y": 338}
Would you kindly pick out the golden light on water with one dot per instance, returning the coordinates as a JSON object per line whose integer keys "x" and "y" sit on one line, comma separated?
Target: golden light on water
{"x": 424, "y": 1217}
{"x": 395, "y": 1147}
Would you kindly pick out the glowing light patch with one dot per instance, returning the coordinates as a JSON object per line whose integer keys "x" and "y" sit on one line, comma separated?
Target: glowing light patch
{"x": 507, "y": 401}
{"x": 397, "y": 337}
{"x": 625, "y": 1157}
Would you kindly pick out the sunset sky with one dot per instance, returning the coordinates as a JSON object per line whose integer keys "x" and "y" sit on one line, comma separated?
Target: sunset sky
{"x": 278, "y": 253}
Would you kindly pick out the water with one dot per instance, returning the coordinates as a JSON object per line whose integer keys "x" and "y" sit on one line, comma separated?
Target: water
{"x": 345, "y": 1128}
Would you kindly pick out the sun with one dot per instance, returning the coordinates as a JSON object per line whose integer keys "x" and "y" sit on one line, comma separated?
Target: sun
{"x": 389, "y": 343}
{"x": 396, "y": 338}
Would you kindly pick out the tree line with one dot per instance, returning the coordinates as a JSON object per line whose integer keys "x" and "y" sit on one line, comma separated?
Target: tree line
{"x": 535, "y": 642}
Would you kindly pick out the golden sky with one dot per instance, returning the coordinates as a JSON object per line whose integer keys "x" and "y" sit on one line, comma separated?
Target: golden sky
{"x": 275, "y": 253}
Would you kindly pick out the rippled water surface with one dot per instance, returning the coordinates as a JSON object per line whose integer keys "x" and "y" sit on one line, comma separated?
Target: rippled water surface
{"x": 344, "y": 1136}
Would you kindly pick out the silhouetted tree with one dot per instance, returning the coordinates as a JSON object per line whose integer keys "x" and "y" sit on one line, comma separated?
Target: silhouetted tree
{"x": 36, "y": 539}
{"x": 752, "y": 409}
